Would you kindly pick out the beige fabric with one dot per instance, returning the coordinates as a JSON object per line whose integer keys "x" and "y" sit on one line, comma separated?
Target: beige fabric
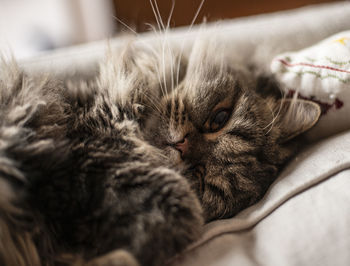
{"x": 250, "y": 39}
{"x": 303, "y": 220}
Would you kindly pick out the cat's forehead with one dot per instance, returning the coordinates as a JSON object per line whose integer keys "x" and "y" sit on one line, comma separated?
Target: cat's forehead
{"x": 212, "y": 91}
{"x": 212, "y": 85}
{"x": 206, "y": 93}
{"x": 209, "y": 77}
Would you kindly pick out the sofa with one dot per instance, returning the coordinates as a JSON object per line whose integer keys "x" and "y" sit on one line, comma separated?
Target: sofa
{"x": 304, "y": 218}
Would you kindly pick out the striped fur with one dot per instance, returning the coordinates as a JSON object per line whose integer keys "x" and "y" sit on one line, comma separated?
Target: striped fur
{"x": 89, "y": 173}
{"x": 78, "y": 181}
{"x": 232, "y": 167}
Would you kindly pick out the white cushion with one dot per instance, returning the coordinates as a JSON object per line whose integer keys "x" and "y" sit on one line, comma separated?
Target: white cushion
{"x": 320, "y": 73}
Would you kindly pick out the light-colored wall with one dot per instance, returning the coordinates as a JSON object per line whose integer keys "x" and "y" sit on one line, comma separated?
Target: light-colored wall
{"x": 28, "y": 27}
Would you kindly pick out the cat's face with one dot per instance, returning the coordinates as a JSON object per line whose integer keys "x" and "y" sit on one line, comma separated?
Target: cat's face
{"x": 230, "y": 141}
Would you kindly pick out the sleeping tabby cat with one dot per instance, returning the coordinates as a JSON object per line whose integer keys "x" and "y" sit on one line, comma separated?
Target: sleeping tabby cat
{"x": 117, "y": 171}
{"x": 227, "y": 128}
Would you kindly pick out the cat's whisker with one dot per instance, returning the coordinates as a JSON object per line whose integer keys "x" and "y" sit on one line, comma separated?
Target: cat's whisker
{"x": 183, "y": 43}
{"x": 274, "y": 116}
{"x": 273, "y": 120}
{"x": 196, "y": 15}
{"x": 171, "y": 68}
{"x": 178, "y": 70}
{"x": 154, "y": 108}
{"x": 162, "y": 89}
{"x": 146, "y": 44}
{"x": 166, "y": 50}
{"x": 163, "y": 62}
{"x": 159, "y": 21}
{"x": 157, "y": 110}
{"x": 270, "y": 125}
{"x": 154, "y": 103}
{"x": 170, "y": 14}
{"x": 125, "y": 25}
{"x": 170, "y": 50}
{"x": 157, "y": 15}
{"x": 153, "y": 29}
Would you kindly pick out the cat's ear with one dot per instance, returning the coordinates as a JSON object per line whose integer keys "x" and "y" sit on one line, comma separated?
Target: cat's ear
{"x": 295, "y": 116}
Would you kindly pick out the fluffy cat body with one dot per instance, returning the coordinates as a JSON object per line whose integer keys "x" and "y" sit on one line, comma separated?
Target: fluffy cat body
{"x": 80, "y": 181}
{"x": 124, "y": 165}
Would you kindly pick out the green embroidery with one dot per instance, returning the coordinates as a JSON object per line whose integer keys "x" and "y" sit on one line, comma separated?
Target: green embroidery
{"x": 339, "y": 63}
{"x": 310, "y": 59}
{"x": 300, "y": 73}
{"x": 288, "y": 59}
{"x": 330, "y": 60}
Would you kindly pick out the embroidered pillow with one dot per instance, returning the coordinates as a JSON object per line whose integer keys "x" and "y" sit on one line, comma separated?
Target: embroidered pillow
{"x": 320, "y": 73}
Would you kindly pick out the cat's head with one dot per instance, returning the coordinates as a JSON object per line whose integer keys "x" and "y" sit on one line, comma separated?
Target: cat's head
{"x": 230, "y": 140}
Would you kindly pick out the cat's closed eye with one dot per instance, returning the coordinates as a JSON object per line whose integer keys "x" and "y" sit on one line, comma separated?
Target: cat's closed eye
{"x": 219, "y": 120}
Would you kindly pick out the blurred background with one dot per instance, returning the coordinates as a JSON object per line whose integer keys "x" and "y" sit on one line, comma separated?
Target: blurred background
{"x": 29, "y": 27}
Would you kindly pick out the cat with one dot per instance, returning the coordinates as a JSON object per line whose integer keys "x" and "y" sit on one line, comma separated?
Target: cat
{"x": 124, "y": 169}
{"x": 230, "y": 133}
{"x": 78, "y": 180}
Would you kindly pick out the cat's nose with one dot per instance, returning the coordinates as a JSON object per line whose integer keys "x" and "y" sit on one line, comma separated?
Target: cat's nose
{"x": 182, "y": 146}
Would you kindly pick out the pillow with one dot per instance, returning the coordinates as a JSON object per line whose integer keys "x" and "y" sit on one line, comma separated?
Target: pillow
{"x": 320, "y": 73}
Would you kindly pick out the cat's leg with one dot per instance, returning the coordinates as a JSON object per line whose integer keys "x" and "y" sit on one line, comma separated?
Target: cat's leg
{"x": 16, "y": 245}
{"x": 152, "y": 213}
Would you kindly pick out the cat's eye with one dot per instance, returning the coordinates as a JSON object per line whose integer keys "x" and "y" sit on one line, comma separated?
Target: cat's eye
{"x": 219, "y": 120}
